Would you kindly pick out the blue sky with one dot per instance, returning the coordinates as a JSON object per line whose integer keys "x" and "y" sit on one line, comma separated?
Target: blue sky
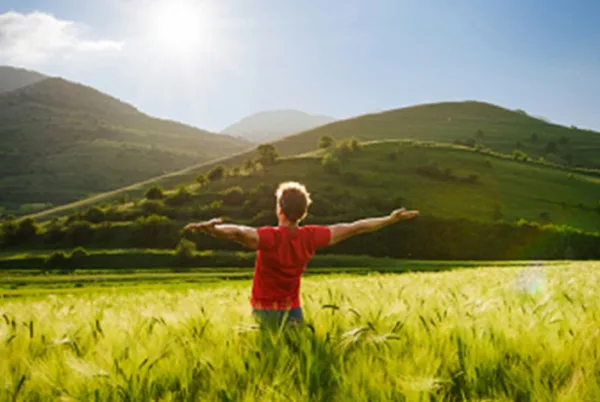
{"x": 340, "y": 58}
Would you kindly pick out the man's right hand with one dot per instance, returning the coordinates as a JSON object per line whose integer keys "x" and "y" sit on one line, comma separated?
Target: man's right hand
{"x": 402, "y": 214}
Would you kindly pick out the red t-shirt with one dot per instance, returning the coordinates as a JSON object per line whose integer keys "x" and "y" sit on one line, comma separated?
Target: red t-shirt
{"x": 281, "y": 259}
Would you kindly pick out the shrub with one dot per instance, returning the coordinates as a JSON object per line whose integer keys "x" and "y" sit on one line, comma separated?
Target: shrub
{"x": 352, "y": 178}
{"x": 249, "y": 165}
{"x": 263, "y": 218}
{"x": 59, "y": 260}
{"x": 151, "y": 207}
{"x": 545, "y": 216}
{"x": 201, "y": 180}
{"x": 479, "y": 133}
{"x": 185, "y": 252}
{"x": 78, "y": 257}
{"x": 325, "y": 142}
{"x": 354, "y": 145}
{"x": 154, "y": 193}
{"x": 80, "y": 233}
{"x": 551, "y": 147}
{"x": 569, "y": 158}
{"x": 94, "y": 215}
{"x": 216, "y": 173}
{"x": 534, "y": 137}
{"x": 520, "y": 155}
{"x": 233, "y": 196}
{"x": 331, "y": 163}
{"x": 472, "y": 178}
{"x": 181, "y": 197}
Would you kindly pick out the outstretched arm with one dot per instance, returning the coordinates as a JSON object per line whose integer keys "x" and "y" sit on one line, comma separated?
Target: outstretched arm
{"x": 343, "y": 231}
{"x": 244, "y": 235}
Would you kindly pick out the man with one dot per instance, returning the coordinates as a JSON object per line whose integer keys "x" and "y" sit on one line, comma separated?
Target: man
{"x": 284, "y": 251}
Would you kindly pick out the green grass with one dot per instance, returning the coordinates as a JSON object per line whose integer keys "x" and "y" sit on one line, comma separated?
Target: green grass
{"x": 61, "y": 142}
{"x": 515, "y": 189}
{"x": 465, "y": 335}
{"x": 443, "y": 122}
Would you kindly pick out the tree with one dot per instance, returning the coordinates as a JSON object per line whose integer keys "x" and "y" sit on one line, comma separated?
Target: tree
{"x": 520, "y": 155}
{"x": 201, "y": 180}
{"x": 563, "y": 140}
{"x": 216, "y": 173}
{"x": 78, "y": 257}
{"x": 331, "y": 163}
{"x": 27, "y": 229}
{"x": 180, "y": 197}
{"x": 9, "y": 230}
{"x": 58, "y": 260}
{"x": 94, "y": 215}
{"x": 354, "y": 145}
{"x": 249, "y": 164}
{"x": 185, "y": 252}
{"x": 325, "y": 142}
{"x": 154, "y": 193}
{"x": 267, "y": 154}
{"x": 234, "y": 196}
{"x": 569, "y": 158}
{"x": 479, "y": 133}
{"x": 551, "y": 147}
{"x": 534, "y": 137}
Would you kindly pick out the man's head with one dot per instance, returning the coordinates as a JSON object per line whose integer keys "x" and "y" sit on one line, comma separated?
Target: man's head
{"x": 292, "y": 201}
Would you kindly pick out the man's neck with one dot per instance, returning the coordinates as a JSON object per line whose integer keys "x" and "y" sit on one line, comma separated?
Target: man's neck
{"x": 287, "y": 224}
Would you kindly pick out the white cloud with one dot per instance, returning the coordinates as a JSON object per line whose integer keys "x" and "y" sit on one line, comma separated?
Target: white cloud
{"x": 35, "y": 38}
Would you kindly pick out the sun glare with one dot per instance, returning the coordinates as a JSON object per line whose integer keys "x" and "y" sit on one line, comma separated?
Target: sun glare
{"x": 180, "y": 26}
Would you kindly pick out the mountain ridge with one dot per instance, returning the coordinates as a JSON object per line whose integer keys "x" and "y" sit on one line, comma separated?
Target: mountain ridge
{"x": 271, "y": 125}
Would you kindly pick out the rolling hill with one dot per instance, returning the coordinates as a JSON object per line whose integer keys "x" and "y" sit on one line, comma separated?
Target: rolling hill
{"x": 274, "y": 124}
{"x": 489, "y": 126}
{"x": 474, "y": 205}
{"x": 443, "y": 181}
{"x": 12, "y": 78}
{"x": 61, "y": 141}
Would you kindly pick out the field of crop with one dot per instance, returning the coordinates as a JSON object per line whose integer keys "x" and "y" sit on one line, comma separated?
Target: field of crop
{"x": 504, "y": 333}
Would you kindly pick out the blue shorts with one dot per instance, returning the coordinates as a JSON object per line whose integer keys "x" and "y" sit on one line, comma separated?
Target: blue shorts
{"x": 277, "y": 317}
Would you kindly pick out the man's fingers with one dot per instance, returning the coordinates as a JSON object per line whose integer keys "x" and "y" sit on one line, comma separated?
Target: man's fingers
{"x": 410, "y": 214}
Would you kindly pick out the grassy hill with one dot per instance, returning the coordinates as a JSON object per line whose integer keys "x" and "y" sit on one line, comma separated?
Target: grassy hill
{"x": 472, "y": 123}
{"x": 486, "y": 125}
{"x": 12, "y": 78}
{"x": 474, "y": 205}
{"x": 272, "y": 125}
{"x": 441, "y": 181}
{"x": 61, "y": 141}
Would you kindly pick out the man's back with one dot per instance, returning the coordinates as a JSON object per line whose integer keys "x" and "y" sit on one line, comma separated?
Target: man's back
{"x": 281, "y": 258}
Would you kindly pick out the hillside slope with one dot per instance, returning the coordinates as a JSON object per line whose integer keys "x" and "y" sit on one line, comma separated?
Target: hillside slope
{"x": 501, "y": 130}
{"x": 12, "y": 78}
{"x": 441, "y": 181}
{"x": 274, "y": 124}
{"x": 61, "y": 141}
{"x": 491, "y": 126}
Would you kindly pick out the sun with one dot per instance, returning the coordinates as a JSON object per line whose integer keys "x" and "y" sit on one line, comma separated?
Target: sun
{"x": 181, "y": 26}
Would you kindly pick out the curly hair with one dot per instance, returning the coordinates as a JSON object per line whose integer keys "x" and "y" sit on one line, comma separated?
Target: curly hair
{"x": 293, "y": 200}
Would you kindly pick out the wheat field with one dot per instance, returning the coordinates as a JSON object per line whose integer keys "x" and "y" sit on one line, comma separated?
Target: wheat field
{"x": 501, "y": 334}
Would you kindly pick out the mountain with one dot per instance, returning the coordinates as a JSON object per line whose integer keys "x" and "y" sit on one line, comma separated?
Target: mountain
{"x": 12, "y": 78}
{"x": 481, "y": 125}
{"x": 61, "y": 141}
{"x": 272, "y": 125}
